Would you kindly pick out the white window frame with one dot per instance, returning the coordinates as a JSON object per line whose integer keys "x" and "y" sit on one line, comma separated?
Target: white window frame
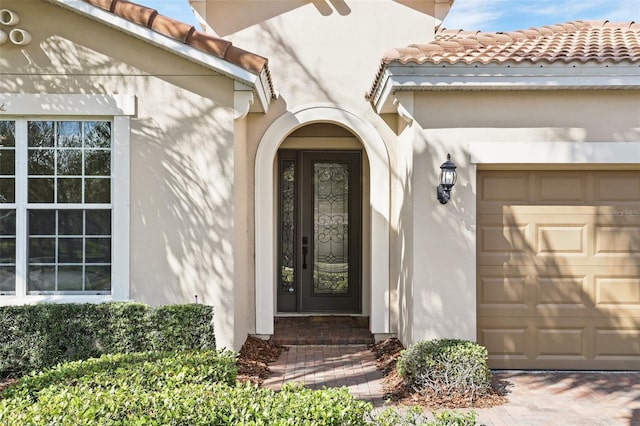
{"x": 116, "y": 108}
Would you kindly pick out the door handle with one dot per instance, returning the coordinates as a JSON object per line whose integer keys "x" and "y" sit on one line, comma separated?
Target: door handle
{"x": 305, "y": 251}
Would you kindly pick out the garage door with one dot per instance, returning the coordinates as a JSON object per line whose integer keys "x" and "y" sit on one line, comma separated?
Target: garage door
{"x": 559, "y": 269}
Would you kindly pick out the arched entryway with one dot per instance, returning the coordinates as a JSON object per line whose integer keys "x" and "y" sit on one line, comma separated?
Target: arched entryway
{"x": 266, "y": 249}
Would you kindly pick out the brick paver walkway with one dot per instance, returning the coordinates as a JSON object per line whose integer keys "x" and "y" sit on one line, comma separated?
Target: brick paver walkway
{"x": 330, "y": 366}
{"x": 567, "y": 398}
{"x": 547, "y": 398}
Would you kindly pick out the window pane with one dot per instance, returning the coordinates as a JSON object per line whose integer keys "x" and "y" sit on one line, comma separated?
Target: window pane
{"x": 98, "y": 250}
{"x": 97, "y": 191}
{"x": 97, "y": 134}
{"x": 7, "y": 190}
{"x": 40, "y": 190}
{"x": 70, "y": 250}
{"x": 287, "y": 226}
{"x": 70, "y": 162}
{"x": 42, "y": 250}
{"x": 69, "y": 133}
{"x": 70, "y": 190}
{"x": 70, "y": 222}
{"x": 7, "y": 279}
{"x": 7, "y": 162}
{"x": 98, "y": 222}
{"x": 42, "y": 222}
{"x": 41, "y": 162}
{"x": 40, "y": 133}
{"x": 7, "y": 250}
{"x": 97, "y": 163}
{"x": 7, "y": 133}
{"x": 42, "y": 278}
{"x": 98, "y": 278}
{"x": 7, "y": 222}
{"x": 70, "y": 278}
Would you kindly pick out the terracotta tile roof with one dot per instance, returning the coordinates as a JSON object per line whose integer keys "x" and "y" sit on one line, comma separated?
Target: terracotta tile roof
{"x": 582, "y": 41}
{"x": 188, "y": 35}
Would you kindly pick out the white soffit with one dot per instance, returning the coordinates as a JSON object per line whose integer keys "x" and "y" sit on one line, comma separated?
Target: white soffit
{"x": 431, "y": 77}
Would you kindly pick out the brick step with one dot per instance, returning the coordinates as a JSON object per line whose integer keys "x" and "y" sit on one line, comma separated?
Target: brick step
{"x": 322, "y": 330}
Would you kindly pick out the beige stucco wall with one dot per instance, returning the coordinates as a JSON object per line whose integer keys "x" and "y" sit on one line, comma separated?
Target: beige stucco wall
{"x": 322, "y": 51}
{"x": 183, "y": 206}
{"x": 442, "y": 239}
{"x": 324, "y": 54}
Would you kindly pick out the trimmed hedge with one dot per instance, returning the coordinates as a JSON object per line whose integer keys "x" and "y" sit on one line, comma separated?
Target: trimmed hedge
{"x": 188, "y": 404}
{"x": 34, "y": 337}
{"x": 185, "y": 388}
{"x": 414, "y": 416}
{"x": 180, "y": 388}
{"x": 150, "y": 370}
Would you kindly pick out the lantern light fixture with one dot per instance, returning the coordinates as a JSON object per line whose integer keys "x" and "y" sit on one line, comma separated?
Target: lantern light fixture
{"x": 447, "y": 179}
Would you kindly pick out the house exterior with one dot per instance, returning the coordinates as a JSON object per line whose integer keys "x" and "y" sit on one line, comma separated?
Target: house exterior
{"x": 272, "y": 164}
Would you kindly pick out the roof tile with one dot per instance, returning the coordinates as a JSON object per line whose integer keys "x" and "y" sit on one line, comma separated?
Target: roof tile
{"x": 103, "y": 4}
{"x": 246, "y": 60}
{"x": 570, "y": 41}
{"x": 187, "y": 34}
{"x": 172, "y": 28}
{"x": 208, "y": 43}
{"x": 132, "y": 12}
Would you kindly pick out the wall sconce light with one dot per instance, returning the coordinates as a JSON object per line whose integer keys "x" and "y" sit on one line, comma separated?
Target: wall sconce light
{"x": 447, "y": 179}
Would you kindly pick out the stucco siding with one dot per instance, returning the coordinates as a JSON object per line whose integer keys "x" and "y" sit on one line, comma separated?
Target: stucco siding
{"x": 581, "y": 116}
{"x": 444, "y": 236}
{"x": 322, "y": 51}
{"x": 182, "y": 155}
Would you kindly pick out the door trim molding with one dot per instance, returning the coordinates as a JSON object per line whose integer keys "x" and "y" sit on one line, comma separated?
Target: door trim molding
{"x": 266, "y": 210}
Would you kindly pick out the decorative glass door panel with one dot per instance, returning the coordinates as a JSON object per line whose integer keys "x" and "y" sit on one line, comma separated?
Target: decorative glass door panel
{"x": 319, "y": 231}
{"x": 330, "y": 228}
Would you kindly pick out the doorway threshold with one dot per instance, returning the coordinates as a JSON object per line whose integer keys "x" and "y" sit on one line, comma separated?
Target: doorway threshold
{"x": 317, "y": 314}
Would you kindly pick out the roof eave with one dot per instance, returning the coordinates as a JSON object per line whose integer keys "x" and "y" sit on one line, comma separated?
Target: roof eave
{"x": 396, "y": 77}
{"x": 258, "y": 82}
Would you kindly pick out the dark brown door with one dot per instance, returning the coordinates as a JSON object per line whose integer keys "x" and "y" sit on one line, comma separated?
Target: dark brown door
{"x": 320, "y": 231}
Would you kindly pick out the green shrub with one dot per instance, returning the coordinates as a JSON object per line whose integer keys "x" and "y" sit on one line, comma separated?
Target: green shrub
{"x": 413, "y": 417}
{"x": 146, "y": 369}
{"x": 453, "y": 418}
{"x": 168, "y": 331}
{"x": 37, "y": 336}
{"x": 167, "y": 389}
{"x": 123, "y": 327}
{"x": 393, "y": 417}
{"x": 446, "y": 367}
{"x": 188, "y": 404}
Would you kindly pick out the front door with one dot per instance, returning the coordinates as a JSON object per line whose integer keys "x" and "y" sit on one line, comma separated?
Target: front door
{"x": 320, "y": 231}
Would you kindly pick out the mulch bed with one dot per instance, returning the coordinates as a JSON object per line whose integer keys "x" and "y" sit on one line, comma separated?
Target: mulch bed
{"x": 254, "y": 359}
{"x": 396, "y": 390}
{"x": 256, "y": 355}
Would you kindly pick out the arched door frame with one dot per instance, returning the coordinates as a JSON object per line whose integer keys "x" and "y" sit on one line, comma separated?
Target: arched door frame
{"x": 265, "y": 210}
